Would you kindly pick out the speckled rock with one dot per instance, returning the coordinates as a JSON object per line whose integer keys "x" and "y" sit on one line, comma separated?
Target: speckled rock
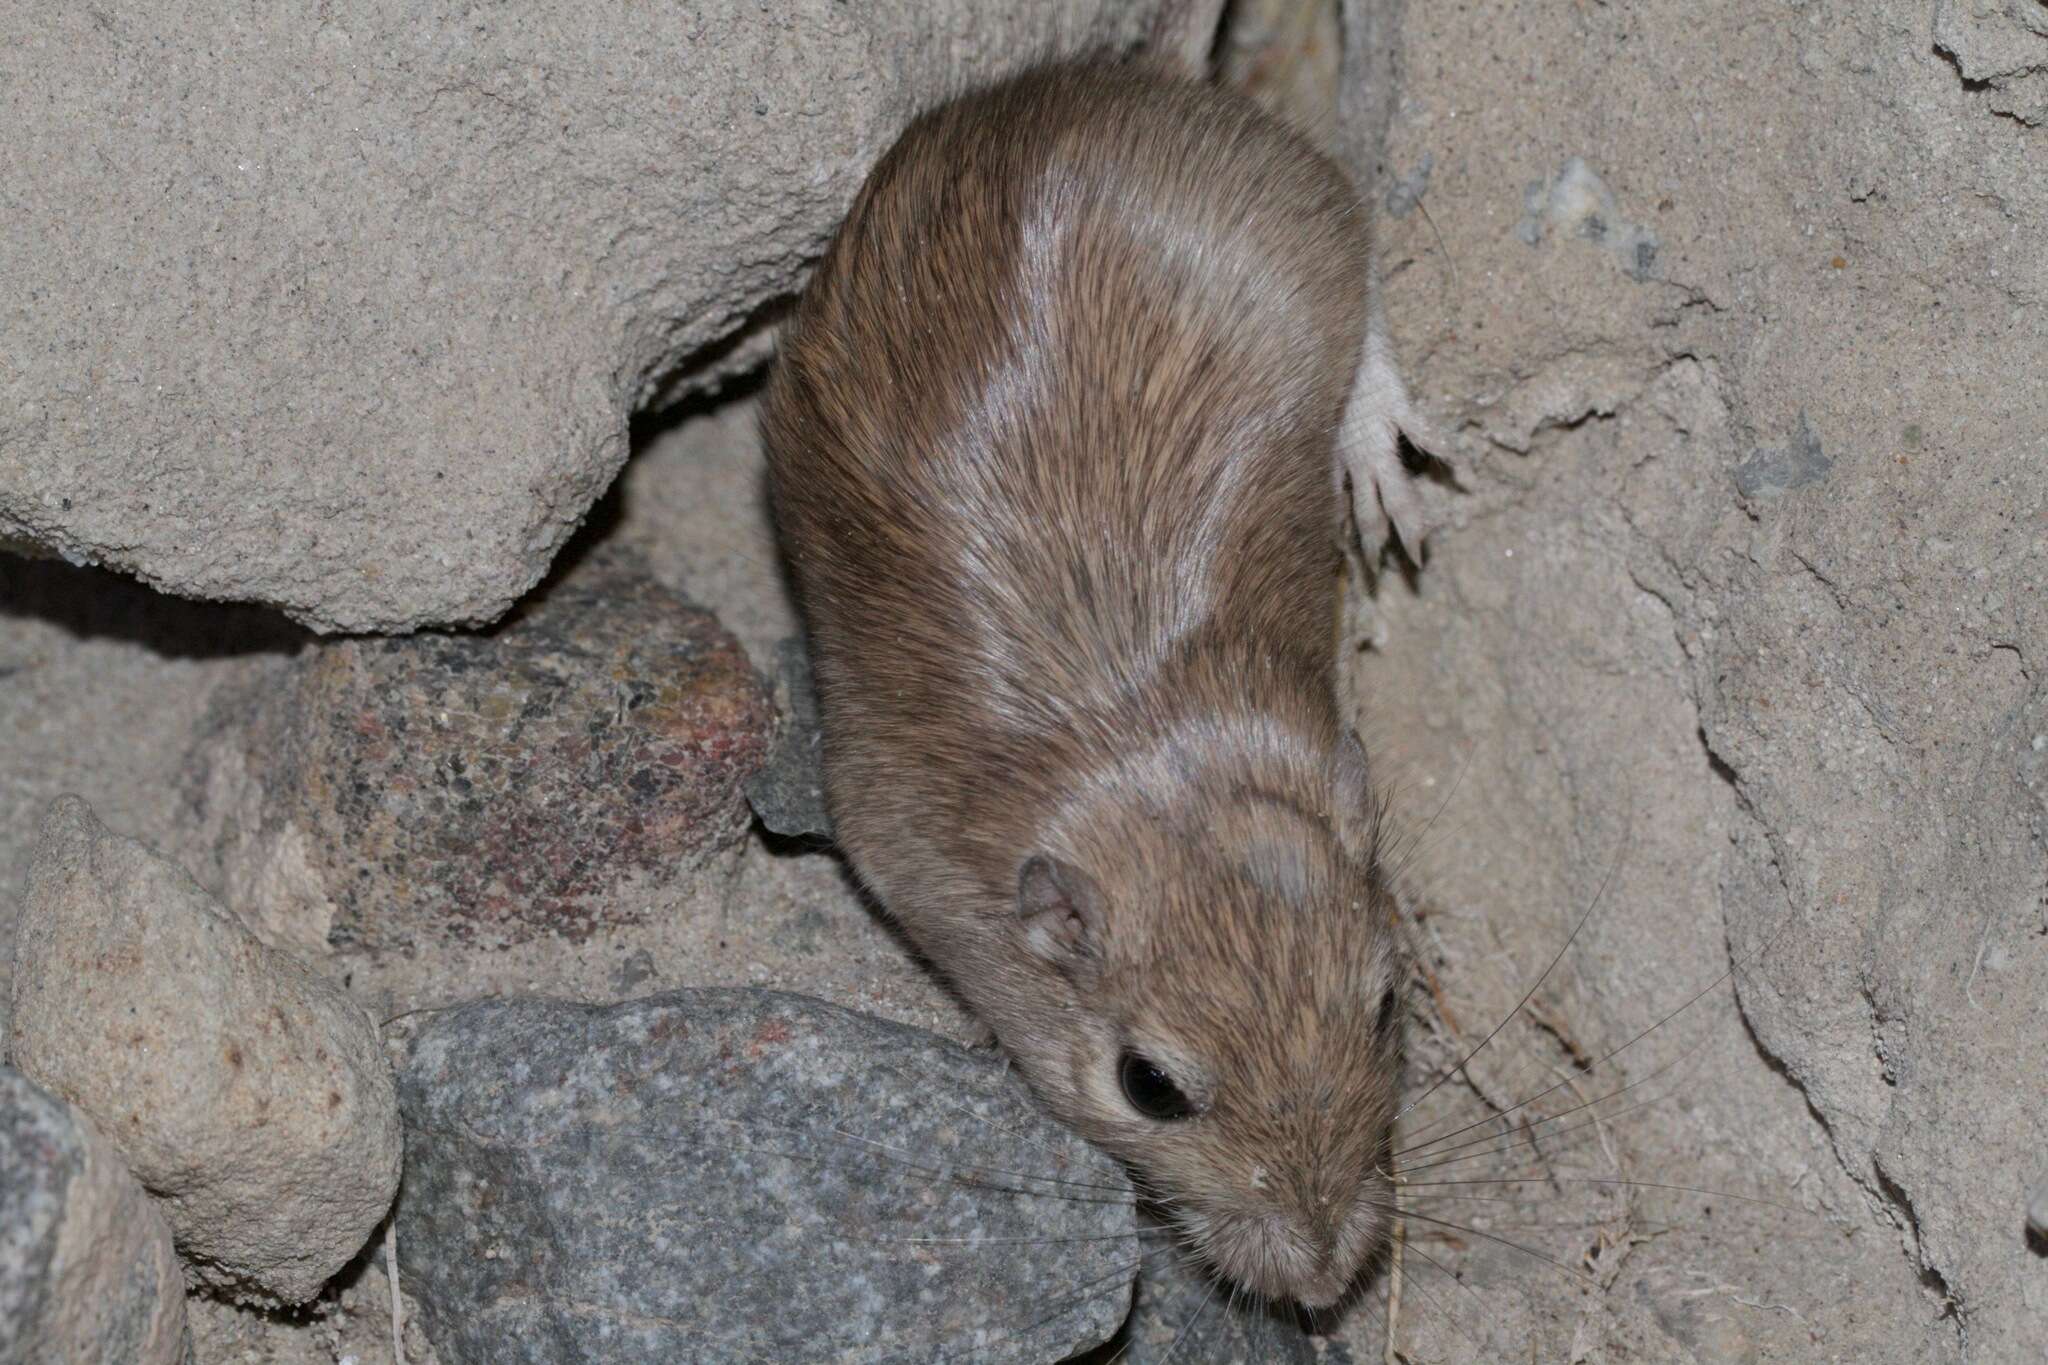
{"x": 742, "y": 1176}
{"x": 788, "y": 794}
{"x": 87, "y": 1272}
{"x": 249, "y": 1095}
{"x": 566, "y": 772}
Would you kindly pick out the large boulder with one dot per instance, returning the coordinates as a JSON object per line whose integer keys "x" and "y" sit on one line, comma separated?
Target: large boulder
{"x": 1746, "y": 604}
{"x": 347, "y": 312}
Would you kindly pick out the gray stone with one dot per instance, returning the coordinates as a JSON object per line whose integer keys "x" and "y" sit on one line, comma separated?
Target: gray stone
{"x": 87, "y": 1272}
{"x": 1798, "y": 463}
{"x": 570, "y": 771}
{"x": 788, "y": 794}
{"x": 249, "y": 1095}
{"x": 348, "y": 316}
{"x": 741, "y": 1175}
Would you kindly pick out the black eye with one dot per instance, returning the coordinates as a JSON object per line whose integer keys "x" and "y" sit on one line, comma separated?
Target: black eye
{"x": 1151, "y": 1091}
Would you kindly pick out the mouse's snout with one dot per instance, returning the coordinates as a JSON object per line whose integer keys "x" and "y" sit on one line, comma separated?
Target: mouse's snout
{"x": 1310, "y": 1256}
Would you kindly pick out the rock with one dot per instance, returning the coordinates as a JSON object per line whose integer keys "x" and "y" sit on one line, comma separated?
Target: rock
{"x": 87, "y": 1272}
{"x": 1758, "y": 622}
{"x": 250, "y": 1096}
{"x": 788, "y": 794}
{"x": 349, "y": 316}
{"x": 567, "y": 772}
{"x": 742, "y": 1175}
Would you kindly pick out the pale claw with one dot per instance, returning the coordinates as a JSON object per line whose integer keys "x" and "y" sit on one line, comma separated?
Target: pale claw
{"x": 1384, "y": 491}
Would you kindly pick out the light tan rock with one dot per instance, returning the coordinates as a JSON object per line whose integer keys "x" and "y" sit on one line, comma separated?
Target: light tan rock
{"x": 249, "y": 1095}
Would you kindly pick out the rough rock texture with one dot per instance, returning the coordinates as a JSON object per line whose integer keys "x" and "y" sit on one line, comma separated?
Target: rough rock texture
{"x": 1749, "y": 599}
{"x": 102, "y": 683}
{"x": 87, "y": 1272}
{"x": 563, "y": 774}
{"x": 348, "y": 316}
{"x": 250, "y": 1096}
{"x": 788, "y": 794}
{"x": 742, "y": 1175}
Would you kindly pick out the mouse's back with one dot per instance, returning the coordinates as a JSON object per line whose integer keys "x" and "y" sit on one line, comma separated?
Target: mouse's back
{"x": 1063, "y": 391}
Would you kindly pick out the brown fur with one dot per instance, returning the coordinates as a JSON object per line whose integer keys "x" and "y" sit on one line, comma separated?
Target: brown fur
{"x": 1051, "y": 443}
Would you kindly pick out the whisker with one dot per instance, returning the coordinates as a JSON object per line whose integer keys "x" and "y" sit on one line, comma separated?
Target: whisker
{"x": 1408, "y": 855}
{"x": 1602, "y": 1180}
{"x": 1527, "y": 996}
{"x": 935, "y": 1173}
{"x": 1201, "y": 1308}
{"x": 1441, "y": 1307}
{"x": 1087, "y": 1292}
{"x": 1563, "y": 1269}
{"x": 1698, "y": 996}
{"x": 1132, "y": 1235}
{"x": 906, "y": 1159}
{"x": 1527, "y": 1132}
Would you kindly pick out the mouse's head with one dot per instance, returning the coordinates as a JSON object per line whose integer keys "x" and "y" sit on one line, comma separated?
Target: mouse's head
{"x": 1221, "y": 983}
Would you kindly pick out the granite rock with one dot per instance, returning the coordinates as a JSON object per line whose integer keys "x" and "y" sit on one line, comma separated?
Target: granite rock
{"x": 87, "y": 1272}
{"x": 251, "y": 1097}
{"x": 566, "y": 772}
{"x": 742, "y": 1176}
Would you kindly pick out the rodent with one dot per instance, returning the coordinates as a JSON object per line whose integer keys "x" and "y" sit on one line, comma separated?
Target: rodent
{"x": 1057, "y": 435}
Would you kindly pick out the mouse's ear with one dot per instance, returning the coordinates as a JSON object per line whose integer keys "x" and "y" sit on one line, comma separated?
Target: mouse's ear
{"x": 1059, "y": 908}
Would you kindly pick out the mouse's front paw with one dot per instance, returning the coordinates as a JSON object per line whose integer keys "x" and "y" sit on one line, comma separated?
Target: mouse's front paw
{"x": 1386, "y": 495}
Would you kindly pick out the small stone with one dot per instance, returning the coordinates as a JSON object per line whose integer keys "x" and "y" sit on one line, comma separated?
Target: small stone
{"x": 742, "y": 1175}
{"x": 249, "y": 1095}
{"x": 2037, "y": 1210}
{"x": 87, "y": 1272}
{"x": 788, "y": 794}
{"x": 569, "y": 772}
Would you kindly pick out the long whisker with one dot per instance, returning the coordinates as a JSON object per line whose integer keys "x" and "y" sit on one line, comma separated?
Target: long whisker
{"x": 949, "y": 1174}
{"x": 1575, "y": 1276}
{"x": 1516, "y": 1140}
{"x": 1132, "y": 1235}
{"x": 1601, "y": 1180}
{"x": 1087, "y": 1292}
{"x": 1417, "y": 1285}
{"x": 1189, "y": 1326}
{"x": 1698, "y": 996}
{"x": 1527, "y": 996}
{"x": 906, "y": 1159}
{"x": 1528, "y": 1130}
{"x": 1408, "y": 855}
